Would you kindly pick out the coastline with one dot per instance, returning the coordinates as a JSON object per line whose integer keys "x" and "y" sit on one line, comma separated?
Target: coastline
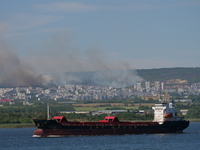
{"x": 193, "y": 119}
{"x": 17, "y": 125}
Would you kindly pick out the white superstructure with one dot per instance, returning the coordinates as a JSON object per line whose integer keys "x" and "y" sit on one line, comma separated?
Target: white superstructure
{"x": 165, "y": 112}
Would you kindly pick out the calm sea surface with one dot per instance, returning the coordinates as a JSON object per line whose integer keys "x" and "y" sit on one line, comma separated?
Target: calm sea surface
{"x": 21, "y": 139}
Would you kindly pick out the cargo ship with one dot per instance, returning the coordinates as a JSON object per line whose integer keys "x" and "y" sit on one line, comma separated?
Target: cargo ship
{"x": 165, "y": 120}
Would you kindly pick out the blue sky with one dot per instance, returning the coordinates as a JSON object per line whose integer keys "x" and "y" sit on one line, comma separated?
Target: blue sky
{"x": 102, "y": 35}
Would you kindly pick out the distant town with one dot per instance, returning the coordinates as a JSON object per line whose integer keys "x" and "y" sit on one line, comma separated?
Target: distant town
{"x": 145, "y": 90}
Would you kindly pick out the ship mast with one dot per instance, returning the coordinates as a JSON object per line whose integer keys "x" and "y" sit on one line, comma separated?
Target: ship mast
{"x": 48, "y": 112}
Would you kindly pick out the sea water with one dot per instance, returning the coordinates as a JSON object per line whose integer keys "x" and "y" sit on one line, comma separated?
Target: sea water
{"x": 21, "y": 139}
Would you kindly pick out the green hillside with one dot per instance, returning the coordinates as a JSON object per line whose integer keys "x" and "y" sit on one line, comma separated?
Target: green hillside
{"x": 192, "y": 75}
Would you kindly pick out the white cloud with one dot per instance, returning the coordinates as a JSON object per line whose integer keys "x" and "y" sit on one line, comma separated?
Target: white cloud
{"x": 145, "y": 6}
{"x": 26, "y": 21}
{"x": 135, "y": 6}
{"x": 20, "y": 24}
{"x": 67, "y": 7}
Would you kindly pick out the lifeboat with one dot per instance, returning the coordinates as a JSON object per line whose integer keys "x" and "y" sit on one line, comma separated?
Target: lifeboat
{"x": 168, "y": 115}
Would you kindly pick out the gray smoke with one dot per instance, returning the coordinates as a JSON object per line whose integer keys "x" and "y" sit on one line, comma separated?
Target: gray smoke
{"x": 65, "y": 64}
{"x": 118, "y": 79}
{"x": 15, "y": 73}
{"x": 60, "y": 63}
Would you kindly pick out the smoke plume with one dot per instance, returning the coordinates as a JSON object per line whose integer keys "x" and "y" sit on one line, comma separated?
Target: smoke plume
{"x": 60, "y": 64}
{"x": 13, "y": 72}
{"x": 66, "y": 64}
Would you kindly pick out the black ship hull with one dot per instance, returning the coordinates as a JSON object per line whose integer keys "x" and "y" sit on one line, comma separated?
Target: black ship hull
{"x": 50, "y": 128}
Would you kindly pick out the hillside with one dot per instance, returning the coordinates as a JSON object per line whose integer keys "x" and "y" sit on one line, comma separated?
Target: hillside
{"x": 192, "y": 75}
{"x": 123, "y": 78}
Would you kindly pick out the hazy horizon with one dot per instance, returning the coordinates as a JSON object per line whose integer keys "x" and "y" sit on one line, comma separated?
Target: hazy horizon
{"x": 41, "y": 37}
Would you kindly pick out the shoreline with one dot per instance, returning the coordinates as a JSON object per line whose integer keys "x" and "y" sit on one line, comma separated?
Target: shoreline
{"x": 18, "y": 125}
{"x": 193, "y": 119}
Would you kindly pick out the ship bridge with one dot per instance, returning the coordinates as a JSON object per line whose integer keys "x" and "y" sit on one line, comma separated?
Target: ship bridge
{"x": 164, "y": 112}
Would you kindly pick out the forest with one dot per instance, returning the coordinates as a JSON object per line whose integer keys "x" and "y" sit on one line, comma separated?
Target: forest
{"x": 163, "y": 74}
{"x": 10, "y": 114}
{"x": 26, "y": 114}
